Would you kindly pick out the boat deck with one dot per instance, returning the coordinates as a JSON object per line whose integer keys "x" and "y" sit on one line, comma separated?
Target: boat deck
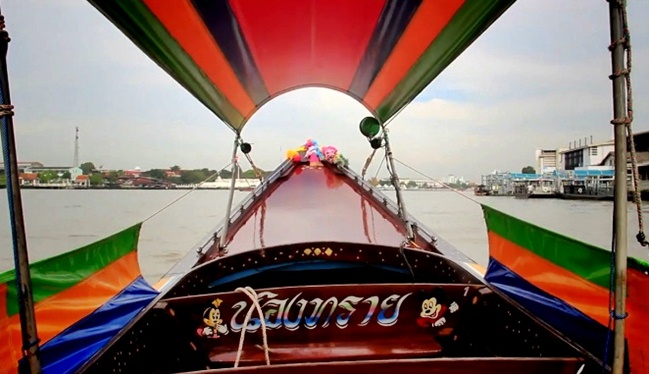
{"x": 314, "y": 205}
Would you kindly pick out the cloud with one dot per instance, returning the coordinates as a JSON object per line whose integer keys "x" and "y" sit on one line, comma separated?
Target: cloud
{"x": 536, "y": 79}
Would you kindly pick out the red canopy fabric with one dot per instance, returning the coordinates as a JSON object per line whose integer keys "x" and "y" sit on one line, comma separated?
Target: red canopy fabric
{"x": 236, "y": 55}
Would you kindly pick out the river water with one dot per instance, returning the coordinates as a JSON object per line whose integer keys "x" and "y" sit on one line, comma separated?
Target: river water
{"x": 59, "y": 220}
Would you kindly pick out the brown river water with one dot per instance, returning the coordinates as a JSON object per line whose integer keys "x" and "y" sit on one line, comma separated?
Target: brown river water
{"x": 59, "y": 220}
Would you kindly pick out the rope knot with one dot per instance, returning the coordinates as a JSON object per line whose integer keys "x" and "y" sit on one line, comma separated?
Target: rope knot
{"x": 6, "y": 110}
{"x": 621, "y": 121}
{"x": 618, "y": 316}
{"x": 252, "y": 295}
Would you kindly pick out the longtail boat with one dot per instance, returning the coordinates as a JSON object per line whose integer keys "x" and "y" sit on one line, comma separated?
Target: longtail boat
{"x": 365, "y": 287}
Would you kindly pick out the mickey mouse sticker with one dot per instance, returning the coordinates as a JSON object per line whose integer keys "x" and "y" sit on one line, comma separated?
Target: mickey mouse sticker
{"x": 433, "y": 310}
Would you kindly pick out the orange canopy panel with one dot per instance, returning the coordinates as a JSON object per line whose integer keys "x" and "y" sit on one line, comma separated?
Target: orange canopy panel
{"x": 235, "y": 55}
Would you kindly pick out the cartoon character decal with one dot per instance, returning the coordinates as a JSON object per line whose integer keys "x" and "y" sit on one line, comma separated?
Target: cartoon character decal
{"x": 433, "y": 310}
{"x": 213, "y": 323}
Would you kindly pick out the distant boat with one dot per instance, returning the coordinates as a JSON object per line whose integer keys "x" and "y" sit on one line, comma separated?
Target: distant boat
{"x": 588, "y": 185}
{"x": 539, "y": 188}
{"x": 481, "y": 190}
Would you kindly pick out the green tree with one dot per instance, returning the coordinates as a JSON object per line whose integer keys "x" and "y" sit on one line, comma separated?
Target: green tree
{"x": 66, "y": 175}
{"x": 155, "y": 173}
{"x": 47, "y": 176}
{"x": 528, "y": 170}
{"x": 411, "y": 184}
{"x": 250, "y": 174}
{"x": 96, "y": 179}
{"x": 175, "y": 168}
{"x": 225, "y": 174}
{"x": 192, "y": 176}
{"x": 87, "y": 167}
{"x": 112, "y": 176}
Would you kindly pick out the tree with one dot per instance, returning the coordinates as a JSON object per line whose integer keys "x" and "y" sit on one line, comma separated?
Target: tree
{"x": 528, "y": 170}
{"x": 96, "y": 179}
{"x": 155, "y": 173}
{"x": 411, "y": 184}
{"x": 112, "y": 176}
{"x": 225, "y": 174}
{"x": 175, "y": 168}
{"x": 47, "y": 176}
{"x": 66, "y": 175}
{"x": 192, "y": 176}
{"x": 250, "y": 174}
{"x": 87, "y": 167}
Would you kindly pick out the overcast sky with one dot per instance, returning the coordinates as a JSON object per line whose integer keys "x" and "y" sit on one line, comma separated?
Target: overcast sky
{"x": 536, "y": 79}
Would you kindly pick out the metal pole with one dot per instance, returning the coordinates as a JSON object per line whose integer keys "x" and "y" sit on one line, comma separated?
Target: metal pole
{"x": 233, "y": 180}
{"x": 30, "y": 339}
{"x": 620, "y": 196}
{"x": 395, "y": 181}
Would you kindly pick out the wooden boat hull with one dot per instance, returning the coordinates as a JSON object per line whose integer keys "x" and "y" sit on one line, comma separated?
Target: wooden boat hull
{"x": 535, "y": 196}
{"x": 366, "y": 301}
{"x": 569, "y": 196}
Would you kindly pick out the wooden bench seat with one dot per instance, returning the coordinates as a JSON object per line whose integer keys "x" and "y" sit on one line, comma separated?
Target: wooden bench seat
{"x": 460, "y": 365}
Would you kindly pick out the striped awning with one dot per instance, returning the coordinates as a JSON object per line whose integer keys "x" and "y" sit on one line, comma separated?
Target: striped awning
{"x": 236, "y": 55}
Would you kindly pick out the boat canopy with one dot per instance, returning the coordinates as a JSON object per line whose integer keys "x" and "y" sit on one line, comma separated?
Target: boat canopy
{"x": 236, "y": 55}
{"x": 525, "y": 176}
{"x": 591, "y": 173}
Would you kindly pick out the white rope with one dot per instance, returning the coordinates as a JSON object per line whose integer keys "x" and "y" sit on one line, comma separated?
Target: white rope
{"x": 442, "y": 183}
{"x": 252, "y": 295}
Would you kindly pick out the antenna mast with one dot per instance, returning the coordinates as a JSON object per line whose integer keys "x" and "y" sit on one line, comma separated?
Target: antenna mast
{"x": 75, "y": 161}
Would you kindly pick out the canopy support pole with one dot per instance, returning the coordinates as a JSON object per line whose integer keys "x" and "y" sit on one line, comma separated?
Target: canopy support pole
{"x": 620, "y": 195}
{"x": 233, "y": 180}
{"x": 397, "y": 187}
{"x": 30, "y": 348}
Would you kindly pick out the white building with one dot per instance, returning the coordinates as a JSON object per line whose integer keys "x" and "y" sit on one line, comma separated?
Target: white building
{"x": 585, "y": 155}
{"x": 547, "y": 160}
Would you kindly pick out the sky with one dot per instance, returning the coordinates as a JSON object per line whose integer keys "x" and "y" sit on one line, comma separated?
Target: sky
{"x": 538, "y": 78}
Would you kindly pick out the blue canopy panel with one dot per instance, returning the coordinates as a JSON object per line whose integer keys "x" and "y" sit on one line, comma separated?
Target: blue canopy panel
{"x": 69, "y": 350}
{"x": 525, "y": 176}
{"x": 590, "y": 173}
{"x": 577, "y": 326}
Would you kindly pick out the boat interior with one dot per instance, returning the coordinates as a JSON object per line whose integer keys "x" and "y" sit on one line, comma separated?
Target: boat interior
{"x": 281, "y": 294}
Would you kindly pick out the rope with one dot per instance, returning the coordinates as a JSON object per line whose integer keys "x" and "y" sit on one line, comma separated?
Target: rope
{"x": 394, "y": 179}
{"x": 252, "y": 295}
{"x": 402, "y": 251}
{"x": 379, "y": 168}
{"x": 367, "y": 163}
{"x": 254, "y": 168}
{"x": 185, "y": 194}
{"x": 442, "y": 183}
